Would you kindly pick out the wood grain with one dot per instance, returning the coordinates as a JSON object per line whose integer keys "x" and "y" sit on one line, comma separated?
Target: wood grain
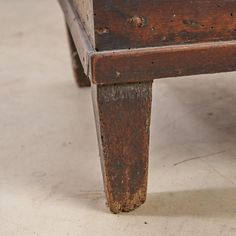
{"x": 125, "y": 66}
{"x": 123, "y": 119}
{"x": 123, "y": 24}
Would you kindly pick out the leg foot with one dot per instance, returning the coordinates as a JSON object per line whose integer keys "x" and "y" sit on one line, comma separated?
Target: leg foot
{"x": 123, "y": 118}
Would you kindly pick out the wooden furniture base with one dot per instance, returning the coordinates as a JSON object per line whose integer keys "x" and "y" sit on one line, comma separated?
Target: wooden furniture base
{"x": 123, "y": 118}
{"x": 120, "y": 47}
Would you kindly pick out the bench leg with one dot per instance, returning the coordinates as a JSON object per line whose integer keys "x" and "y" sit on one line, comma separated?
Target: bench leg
{"x": 81, "y": 79}
{"x": 122, "y": 115}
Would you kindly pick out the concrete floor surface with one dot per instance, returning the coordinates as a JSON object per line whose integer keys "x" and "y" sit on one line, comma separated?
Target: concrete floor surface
{"x": 50, "y": 178}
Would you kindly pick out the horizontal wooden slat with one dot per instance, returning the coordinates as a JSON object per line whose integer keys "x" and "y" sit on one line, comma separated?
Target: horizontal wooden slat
{"x": 123, "y": 24}
{"x": 124, "y": 66}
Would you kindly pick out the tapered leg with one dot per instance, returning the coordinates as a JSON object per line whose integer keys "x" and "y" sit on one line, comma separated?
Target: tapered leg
{"x": 122, "y": 115}
{"x": 81, "y": 79}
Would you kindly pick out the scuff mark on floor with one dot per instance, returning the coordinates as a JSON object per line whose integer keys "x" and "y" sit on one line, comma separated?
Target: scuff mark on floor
{"x": 199, "y": 157}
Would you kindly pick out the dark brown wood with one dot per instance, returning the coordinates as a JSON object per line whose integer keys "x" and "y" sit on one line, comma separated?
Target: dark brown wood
{"x": 160, "y": 62}
{"x": 144, "y": 64}
{"x": 123, "y": 118}
{"x": 123, "y": 24}
{"x": 81, "y": 78}
{"x": 123, "y": 45}
{"x": 120, "y": 24}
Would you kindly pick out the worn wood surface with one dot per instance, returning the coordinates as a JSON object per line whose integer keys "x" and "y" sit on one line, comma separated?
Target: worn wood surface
{"x": 80, "y": 37}
{"x": 160, "y": 62}
{"x": 123, "y": 24}
{"x": 123, "y": 118}
{"x": 148, "y": 63}
{"x": 85, "y": 11}
{"x": 81, "y": 78}
{"x": 171, "y": 38}
{"x": 120, "y": 24}
{"x": 124, "y": 66}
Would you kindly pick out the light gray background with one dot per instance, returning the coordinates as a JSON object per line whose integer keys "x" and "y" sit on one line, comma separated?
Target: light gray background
{"x": 50, "y": 178}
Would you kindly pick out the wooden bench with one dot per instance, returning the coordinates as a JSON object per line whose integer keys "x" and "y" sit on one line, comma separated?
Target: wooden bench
{"x": 120, "y": 47}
